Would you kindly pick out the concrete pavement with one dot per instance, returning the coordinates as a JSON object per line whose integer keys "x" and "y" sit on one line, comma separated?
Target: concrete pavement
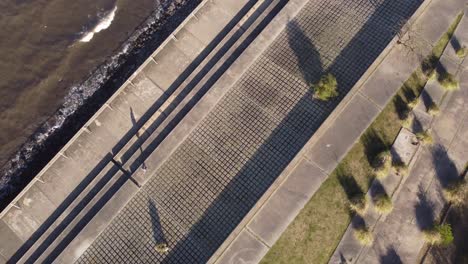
{"x": 418, "y": 200}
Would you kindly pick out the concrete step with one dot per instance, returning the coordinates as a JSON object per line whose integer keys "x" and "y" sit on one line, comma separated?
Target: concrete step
{"x": 236, "y": 41}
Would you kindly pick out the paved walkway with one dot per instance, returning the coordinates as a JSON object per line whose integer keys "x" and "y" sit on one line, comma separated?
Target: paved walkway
{"x": 220, "y": 171}
{"x": 417, "y": 199}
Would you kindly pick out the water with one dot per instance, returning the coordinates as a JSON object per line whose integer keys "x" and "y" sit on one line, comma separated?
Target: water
{"x": 56, "y": 54}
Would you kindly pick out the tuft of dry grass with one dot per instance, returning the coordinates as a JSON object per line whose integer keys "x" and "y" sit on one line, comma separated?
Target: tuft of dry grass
{"x": 364, "y": 236}
{"x": 456, "y": 193}
{"x": 407, "y": 122}
{"x": 382, "y": 164}
{"x": 448, "y": 81}
{"x": 462, "y": 52}
{"x": 425, "y": 137}
{"x": 383, "y": 204}
{"x": 433, "y": 109}
{"x": 400, "y": 168}
{"x": 359, "y": 204}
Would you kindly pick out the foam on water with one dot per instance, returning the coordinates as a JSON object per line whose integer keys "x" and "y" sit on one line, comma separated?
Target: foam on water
{"x": 105, "y": 23}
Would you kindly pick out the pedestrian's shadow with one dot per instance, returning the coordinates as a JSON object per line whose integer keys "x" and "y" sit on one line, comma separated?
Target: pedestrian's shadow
{"x": 158, "y": 232}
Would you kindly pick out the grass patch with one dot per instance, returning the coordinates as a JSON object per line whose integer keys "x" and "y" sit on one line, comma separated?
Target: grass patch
{"x": 315, "y": 233}
{"x": 326, "y": 88}
{"x": 382, "y": 164}
{"x": 407, "y": 122}
{"x": 400, "y": 168}
{"x": 433, "y": 109}
{"x": 456, "y": 193}
{"x": 439, "y": 235}
{"x": 425, "y": 137}
{"x": 383, "y": 203}
{"x": 358, "y": 204}
{"x": 448, "y": 81}
{"x": 462, "y": 52}
{"x": 364, "y": 236}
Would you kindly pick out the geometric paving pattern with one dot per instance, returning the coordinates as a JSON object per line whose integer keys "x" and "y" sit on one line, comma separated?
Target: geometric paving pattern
{"x": 202, "y": 192}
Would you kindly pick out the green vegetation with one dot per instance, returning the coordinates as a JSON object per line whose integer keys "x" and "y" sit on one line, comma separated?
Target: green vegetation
{"x": 364, "y": 236}
{"x": 448, "y": 81}
{"x": 407, "y": 121}
{"x": 326, "y": 88}
{"x": 425, "y": 137}
{"x": 456, "y": 193}
{"x": 439, "y": 235}
{"x": 383, "y": 203}
{"x": 413, "y": 103}
{"x": 400, "y": 168}
{"x": 462, "y": 52}
{"x": 382, "y": 164}
{"x": 358, "y": 204}
{"x": 315, "y": 233}
{"x": 161, "y": 248}
{"x": 433, "y": 109}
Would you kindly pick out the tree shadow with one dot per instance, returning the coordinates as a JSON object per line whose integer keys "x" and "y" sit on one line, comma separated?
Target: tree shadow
{"x": 401, "y": 107}
{"x": 427, "y": 99}
{"x": 373, "y": 145}
{"x": 417, "y": 126}
{"x": 377, "y": 189}
{"x": 349, "y": 184}
{"x": 455, "y": 43}
{"x": 424, "y": 211}
{"x": 391, "y": 257}
{"x": 446, "y": 171}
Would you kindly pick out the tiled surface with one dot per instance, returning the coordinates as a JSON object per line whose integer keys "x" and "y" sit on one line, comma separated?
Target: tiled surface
{"x": 217, "y": 175}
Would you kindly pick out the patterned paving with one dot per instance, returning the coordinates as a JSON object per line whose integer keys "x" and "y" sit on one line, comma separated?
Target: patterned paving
{"x": 213, "y": 179}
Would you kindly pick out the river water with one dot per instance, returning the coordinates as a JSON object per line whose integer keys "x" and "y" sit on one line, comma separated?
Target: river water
{"x": 54, "y": 55}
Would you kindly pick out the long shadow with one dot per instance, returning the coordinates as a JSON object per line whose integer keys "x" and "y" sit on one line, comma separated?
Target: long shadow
{"x": 424, "y": 211}
{"x": 417, "y": 126}
{"x": 455, "y": 43}
{"x": 349, "y": 185}
{"x": 158, "y": 232}
{"x": 270, "y": 159}
{"x": 446, "y": 171}
{"x": 377, "y": 189}
{"x": 427, "y": 99}
{"x": 373, "y": 145}
{"x": 391, "y": 257}
{"x": 401, "y": 107}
